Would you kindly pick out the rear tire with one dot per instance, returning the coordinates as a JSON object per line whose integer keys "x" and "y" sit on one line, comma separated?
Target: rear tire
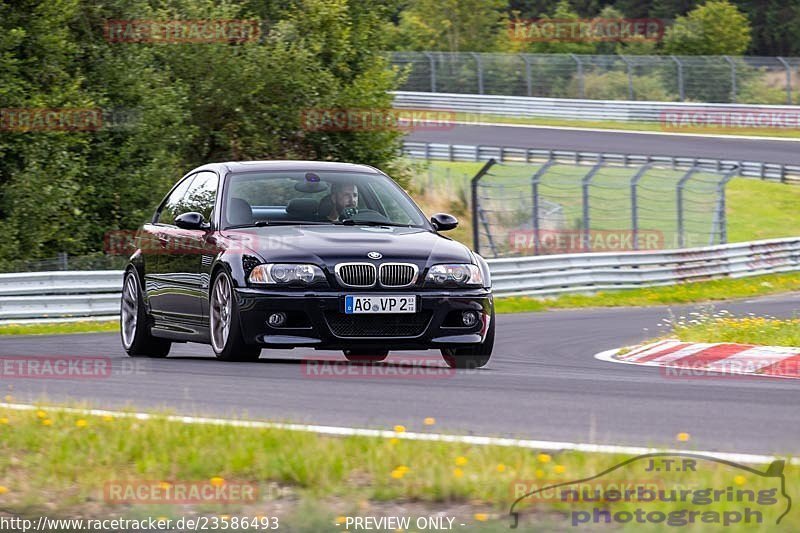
{"x": 133, "y": 322}
{"x": 370, "y": 356}
{"x": 224, "y": 327}
{"x": 475, "y": 356}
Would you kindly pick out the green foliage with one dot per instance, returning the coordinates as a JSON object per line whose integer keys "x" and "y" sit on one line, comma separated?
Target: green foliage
{"x": 185, "y": 104}
{"x": 714, "y": 28}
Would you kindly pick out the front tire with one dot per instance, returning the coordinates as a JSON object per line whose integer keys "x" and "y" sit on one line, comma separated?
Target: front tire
{"x": 226, "y": 333}
{"x": 475, "y": 356}
{"x": 133, "y": 327}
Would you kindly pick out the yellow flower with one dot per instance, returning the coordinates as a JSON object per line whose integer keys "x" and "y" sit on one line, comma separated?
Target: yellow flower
{"x": 3, "y": 420}
{"x": 225, "y": 516}
{"x": 108, "y": 418}
{"x": 683, "y": 437}
{"x": 543, "y": 458}
{"x": 429, "y": 421}
{"x": 481, "y": 517}
{"x": 340, "y": 519}
{"x": 164, "y": 485}
{"x": 457, "y": 472}
{"x": 162, "y": 519}
{"x": 559, "y": 469}
{"x": 394, "y": 440}
{"x": 3, "y": 489}
{"x": 41, "y": 414}
{"x": 740, "y": 480}
{"x": 217, "y": 481}
{"x": 47, "y": 422}
{"x": 81, "y": 423}
{"x": 399, "y": 429}
{"x": 403, "y": 468}
{"x": 461, "y": 460}
{"x": 501, "y": 467}
{"x": 397, "y": 474}
{"x": 539, "y": 473}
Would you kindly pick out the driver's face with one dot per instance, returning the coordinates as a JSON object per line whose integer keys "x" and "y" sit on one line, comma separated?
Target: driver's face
{"x": 345, "y": 197}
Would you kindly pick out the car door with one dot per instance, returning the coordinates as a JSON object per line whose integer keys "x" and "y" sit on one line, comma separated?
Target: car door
{"x": 185, "y": 284}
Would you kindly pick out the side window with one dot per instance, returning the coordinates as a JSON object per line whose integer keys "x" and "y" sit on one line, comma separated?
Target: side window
{"x": 201, "y": 195}
{"x": 171, "y": 207}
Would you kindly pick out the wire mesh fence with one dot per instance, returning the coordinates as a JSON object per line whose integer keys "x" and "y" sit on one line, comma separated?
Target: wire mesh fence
{"x": 556, "y": 207}
{"x": 713, "y": 79}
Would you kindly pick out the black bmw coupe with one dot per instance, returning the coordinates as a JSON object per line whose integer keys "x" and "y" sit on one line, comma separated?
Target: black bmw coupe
{"x": 283, "y": 254}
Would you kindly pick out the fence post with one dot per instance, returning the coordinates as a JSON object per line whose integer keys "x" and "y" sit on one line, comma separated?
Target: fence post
{"x": 681, "y": 94}
{"x": 679, "y": 191}
{"x": 635, "y": 203}
{"x": 535, "y": 179}
{"x": 587, "y": 246}
{"x": 474, "y": 190}
{"x": 788, "y": 80}
{"x": 479, "y": 66}
{"x": 629, "y": 68}
{"x": 528, "y": 79}
{"x": 432, "y": 63}
{"x": 723, "y": 216}
{"x": 579, "y": 72}
{"x": 733, "y": 78}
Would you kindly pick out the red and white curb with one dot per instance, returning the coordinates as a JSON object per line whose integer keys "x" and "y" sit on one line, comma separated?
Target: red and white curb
{"x": 701, "y": 359}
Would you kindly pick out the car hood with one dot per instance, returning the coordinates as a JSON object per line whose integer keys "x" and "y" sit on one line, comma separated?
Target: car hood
{"x": 329, "y": 245}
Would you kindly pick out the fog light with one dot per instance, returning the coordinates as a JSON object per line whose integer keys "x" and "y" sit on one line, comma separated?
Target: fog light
{"x": 276, "y": 320}
{"x": 469, "y": 318}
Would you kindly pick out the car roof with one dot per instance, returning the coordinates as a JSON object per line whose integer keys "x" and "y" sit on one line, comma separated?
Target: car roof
{"x": 319, "y": 166}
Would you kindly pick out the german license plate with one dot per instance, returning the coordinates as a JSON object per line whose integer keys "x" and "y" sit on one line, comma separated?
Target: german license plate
{"x": 379, "y": 304}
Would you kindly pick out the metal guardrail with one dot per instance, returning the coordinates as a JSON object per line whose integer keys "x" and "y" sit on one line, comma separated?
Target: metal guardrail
{"x": 463, "y": 152}
{"x": 619, "y": 110}
{"x": 96, "y": 294}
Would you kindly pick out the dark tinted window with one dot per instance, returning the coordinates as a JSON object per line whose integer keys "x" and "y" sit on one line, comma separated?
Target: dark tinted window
{"x": 172, "y": 205}
{"x": 201, "y": 195}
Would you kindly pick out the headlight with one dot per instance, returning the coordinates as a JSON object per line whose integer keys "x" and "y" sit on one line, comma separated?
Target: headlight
{"x": 285, "y": 274}
{"x": 455, "y": 274}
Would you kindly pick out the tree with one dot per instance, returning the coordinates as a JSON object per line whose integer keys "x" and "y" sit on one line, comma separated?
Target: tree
{"x": 714, "y": 28}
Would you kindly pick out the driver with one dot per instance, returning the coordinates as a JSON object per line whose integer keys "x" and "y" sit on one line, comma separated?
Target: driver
{"x": 343, "y": 196}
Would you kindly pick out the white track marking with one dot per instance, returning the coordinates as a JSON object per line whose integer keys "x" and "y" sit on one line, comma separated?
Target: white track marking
{"x": 678, "y": 354}
{"x": 649, "y": 350}
{"x": 379, "y": 433}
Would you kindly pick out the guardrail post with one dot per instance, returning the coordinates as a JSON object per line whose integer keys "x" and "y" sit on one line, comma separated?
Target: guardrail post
{"x": 629, "y": 69}
{"x": 479, "y": 66}
{"x": 528, "y": 77}
{"x": 788, "y": 80}
{"x": 535, "y": 179}
{"x": 635, "y": 203}
{"x": 681, "y": 94}
{"x": 432, "y": 63}
{"x": 733, "y": 77}
{"x": 579, "y": 73}
{"x": 474, "y": 191}
{"x": 679, "y": 190}
{"x": 587, "y": 245}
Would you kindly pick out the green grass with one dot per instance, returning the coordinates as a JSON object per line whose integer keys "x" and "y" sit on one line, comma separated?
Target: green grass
{"x": 58, "y": 464}
{"x": 619, "y": 125}
{"x": 702, "y": 291}
{"x": 719, "y": 327}
{"x": 57, "y": 328}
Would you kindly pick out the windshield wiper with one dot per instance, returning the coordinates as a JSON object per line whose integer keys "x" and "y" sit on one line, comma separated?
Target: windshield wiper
{"x": 351, "y": 222}
{"x": 262, "y": 223}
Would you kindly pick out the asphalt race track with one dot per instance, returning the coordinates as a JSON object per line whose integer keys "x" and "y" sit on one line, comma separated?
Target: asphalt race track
{"x": 542, "y": 383}
{"x": 769, "y": 151}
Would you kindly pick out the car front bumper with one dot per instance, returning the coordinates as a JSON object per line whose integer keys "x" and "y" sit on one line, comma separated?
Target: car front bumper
{"x": 317, "y": 319}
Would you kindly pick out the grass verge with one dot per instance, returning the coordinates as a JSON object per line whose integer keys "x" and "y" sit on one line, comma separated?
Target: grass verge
{"x": 719, "y": 327}
{"x": 685, "y": 293}
{"x": 657, "y": 127}
{"x": 63, "y": 464}
{"x": 58, "y": 328}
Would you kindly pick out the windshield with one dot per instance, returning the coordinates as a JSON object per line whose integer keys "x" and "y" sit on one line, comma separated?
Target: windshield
{"x": 297, "y": 197}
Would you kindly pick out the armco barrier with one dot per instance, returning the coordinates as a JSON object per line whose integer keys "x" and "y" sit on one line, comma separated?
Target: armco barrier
{"x": 54, "y": 295}
{"x": 619, "y": 110}
{"x": 465, "y": 152}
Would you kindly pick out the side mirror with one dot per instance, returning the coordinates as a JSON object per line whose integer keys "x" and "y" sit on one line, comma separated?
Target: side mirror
{"x": 443, "y": 222}
{"x": 191, "y": 220}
